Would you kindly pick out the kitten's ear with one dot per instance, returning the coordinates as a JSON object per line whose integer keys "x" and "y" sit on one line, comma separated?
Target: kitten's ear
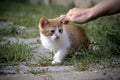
{"x": 43, "y": 22}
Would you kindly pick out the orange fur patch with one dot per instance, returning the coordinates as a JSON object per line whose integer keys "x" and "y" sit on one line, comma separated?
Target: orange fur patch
{"x": 76, "y": 34}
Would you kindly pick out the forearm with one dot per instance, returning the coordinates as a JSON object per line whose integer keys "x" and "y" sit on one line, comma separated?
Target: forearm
{"x": 104, "y": 8}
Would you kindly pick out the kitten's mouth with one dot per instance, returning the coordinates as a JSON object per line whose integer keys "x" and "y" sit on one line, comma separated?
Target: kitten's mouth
{"x": 57, "y": 37}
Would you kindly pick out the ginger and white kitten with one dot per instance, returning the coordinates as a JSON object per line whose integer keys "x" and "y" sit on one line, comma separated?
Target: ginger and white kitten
{"x": 59, "y": 37}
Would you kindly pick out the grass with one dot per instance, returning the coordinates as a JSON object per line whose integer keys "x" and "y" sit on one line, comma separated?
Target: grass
{"x": 104, "y": 48}
{"x": 28, "y": 15}
{"x": 35, "y": 70}
{"x": 103, "y": 33}
{"x": 90, "y": 60}
{"x": 14, "y": 53}
{"x": 12, "y": 30}
{"x": 24, "y": 16}
{"x": 18, "y": 31}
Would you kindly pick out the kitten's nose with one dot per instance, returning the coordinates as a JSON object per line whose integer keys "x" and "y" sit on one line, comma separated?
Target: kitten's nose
{"x": 57, "y": 37}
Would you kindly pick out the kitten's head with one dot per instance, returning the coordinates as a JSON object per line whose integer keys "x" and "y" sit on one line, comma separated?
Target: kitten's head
{"x": 51, "y": 28}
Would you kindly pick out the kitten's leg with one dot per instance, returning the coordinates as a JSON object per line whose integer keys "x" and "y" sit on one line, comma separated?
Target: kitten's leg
{"x": 58, "y": 57}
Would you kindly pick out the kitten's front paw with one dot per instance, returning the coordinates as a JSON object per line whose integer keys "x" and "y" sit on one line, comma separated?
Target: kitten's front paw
{"x": 54, "y": 62}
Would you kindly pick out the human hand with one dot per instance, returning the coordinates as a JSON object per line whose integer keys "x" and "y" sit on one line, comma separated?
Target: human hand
{"x": 77, "y": 15}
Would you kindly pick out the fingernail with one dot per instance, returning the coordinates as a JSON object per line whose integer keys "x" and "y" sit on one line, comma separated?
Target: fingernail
{"x": 65, "y": 22}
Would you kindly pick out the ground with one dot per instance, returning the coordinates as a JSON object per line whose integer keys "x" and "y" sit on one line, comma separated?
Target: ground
{"x": 60, "y": 72}
{"x": 22, "y": 57}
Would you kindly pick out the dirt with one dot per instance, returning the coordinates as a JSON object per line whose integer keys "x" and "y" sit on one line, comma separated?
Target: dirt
{"x": 25, "y": 72}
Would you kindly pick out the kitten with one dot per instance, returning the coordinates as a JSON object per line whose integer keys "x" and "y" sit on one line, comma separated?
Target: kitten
{"x": 59, "y": 37}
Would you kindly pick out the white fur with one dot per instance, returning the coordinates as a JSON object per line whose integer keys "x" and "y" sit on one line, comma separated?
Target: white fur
{"x": 60, "y": 45}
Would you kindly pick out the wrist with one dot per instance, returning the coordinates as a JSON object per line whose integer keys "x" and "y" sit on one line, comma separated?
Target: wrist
{"x": 90, "y": 14}
{"x": 93, "y": 13}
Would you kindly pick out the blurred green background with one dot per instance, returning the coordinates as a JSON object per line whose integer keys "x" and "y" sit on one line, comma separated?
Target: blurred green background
{"x": 103, "y": 33}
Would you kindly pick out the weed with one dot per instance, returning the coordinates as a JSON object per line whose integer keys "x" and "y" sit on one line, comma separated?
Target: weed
{"x": 104, "y": 35}
{"x": 27, "y": 14}
{"x": 44, "y": 61}
{"x": 12, "y": 30}
{"x": 90, "y": 59}
{"x": 104, "y": 47}
{"x": 35, "y": 70}
{"x": 14, "y": 53}
{"x": 17, "y": 69}
{"x": 18, "y": 31}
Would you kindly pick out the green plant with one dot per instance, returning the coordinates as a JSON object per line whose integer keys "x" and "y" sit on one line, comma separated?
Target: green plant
{"x": 35, "y": 70}
{"x": 91, "y": 59}
{"x": 104, "y": 47}
{"x": 12, "y": 30}
{"x": 18, "y": 31}
{"x": 27, "y": 14}
{"x": 104, "y": 33}
{"x": 44, "y": 61}
{"x": 14, "y": 53}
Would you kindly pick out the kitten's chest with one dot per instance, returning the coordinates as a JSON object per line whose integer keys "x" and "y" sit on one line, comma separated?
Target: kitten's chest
{"x": 61, "y": 43}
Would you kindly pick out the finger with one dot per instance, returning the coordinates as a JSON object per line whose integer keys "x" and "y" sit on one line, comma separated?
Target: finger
{"x": 67, "y": 16}
{"x": 70, "y": 12}
{"x": 66, "y": 20}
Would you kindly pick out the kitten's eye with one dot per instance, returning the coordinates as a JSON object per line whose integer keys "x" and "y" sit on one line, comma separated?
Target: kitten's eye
{"x": 52, "y": 31}
{"x": 60, "y": 30}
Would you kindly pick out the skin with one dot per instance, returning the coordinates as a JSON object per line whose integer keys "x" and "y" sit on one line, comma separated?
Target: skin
{"x": 104, "y": 8}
